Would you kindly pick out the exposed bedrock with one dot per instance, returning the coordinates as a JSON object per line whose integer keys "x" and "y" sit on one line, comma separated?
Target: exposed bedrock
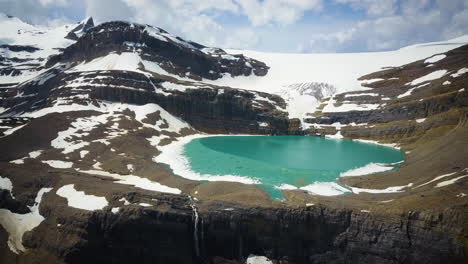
{"x": 210, "y": 109}
{"x": 173, "y": 54}
{"x": 306, "y": 235}
{"x": 404, "y": 111}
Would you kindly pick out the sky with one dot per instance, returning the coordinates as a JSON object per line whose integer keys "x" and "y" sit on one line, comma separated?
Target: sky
{"x": 269, "y": 25}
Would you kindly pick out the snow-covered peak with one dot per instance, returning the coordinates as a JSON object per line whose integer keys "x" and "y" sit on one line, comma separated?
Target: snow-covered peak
{"x": 13, "y": 28}
{"x": 81, "y": 28}
{"x": 25, "y": 48}
{"x": 162, "y": 35}
{"x": 87, "y": 20}
{"x": 17, "y": 32}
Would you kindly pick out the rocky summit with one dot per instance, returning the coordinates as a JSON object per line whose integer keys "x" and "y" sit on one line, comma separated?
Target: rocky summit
{"x": 87, "y": 110}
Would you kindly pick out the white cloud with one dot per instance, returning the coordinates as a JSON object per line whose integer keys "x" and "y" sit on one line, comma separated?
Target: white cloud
{"x": 404, "y": 24}
{"x": 35, "y": 11}
{"x": 277, "y": 11}
{"x": 197, "y": 20}
{"x": 101, "y": 12}
{"x": 53, "y": 2}
{"x": 270, "y": 24}
{"x": 191, "y": 19}
{"x": 374, "y": 7}
{"x": 243, "y": 38}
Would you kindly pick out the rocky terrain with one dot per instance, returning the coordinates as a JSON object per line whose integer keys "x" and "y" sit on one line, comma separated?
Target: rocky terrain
{"x": 82, "y": 123}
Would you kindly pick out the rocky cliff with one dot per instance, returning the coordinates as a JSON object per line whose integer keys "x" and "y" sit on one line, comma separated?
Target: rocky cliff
{"x": 221, "y": 234}
{"x": 172, "y": 53}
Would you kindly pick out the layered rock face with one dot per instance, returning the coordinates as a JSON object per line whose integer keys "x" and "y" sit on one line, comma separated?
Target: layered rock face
{"x": 172, "y": 53}
{"x": 229, "y": 235}
{"x": 207, "y": 108}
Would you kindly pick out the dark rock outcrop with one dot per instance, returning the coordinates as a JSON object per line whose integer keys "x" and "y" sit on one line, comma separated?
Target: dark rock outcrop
{"x": 18, "y": 48}
{"x": 302, "y": 235}
{"x": 81, "y": 29}
{"x": 173, "y": 54}
{"x": 210, "y": 109}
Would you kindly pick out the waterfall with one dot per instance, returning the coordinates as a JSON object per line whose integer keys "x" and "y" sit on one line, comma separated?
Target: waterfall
{"x": 195, "y": 228}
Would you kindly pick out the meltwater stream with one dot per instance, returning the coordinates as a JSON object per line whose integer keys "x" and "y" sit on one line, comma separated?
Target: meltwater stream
{"x": 280, "y": 160}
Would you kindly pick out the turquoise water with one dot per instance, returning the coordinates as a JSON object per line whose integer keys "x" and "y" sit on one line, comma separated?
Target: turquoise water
{"x": 276, "y": 160}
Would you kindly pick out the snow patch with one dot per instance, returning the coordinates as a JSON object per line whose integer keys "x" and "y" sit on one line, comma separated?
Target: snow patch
{"x": 35, "y": 154}
{"x": 136, "y": 181}
{"x": 174, "y": 86}
{"x": 421, "y": 120}
{"x": 449, "y": 182}
{"x": 435, "y": 58}
{"x": 155, "y": 140}
{"x": 387, "y": 201}
{"x": 125, "y": 201}
{"x": 347, "y": 107}
{"x": 408, "y": 93}
{"x": 368, "y": 169}
{"x": 18, "y": 161}
{"x": 65, "y": 140}
{"x": 80, "y": 200}
{"x": 393, "y": 189}
{"x": 459, "y": 73}
{"x": 390, "y": 145}
{"x": 32, "y": 155}
{"x": 83, "y": 153}
{"x": 336, "y": 136}
{"x": 325, "y": 188}
{"x": 285, "y": 186}
{"x": 436, "y": 179}
{"x": 5, "y": 184}
{"x": 361, "y": 94}
{"x": 12, "y": 130}
{"x": 17, "y": 224}
{"x": 428, "y": 77}
{"x": 58, "y": 164}
{"x": 372, "y": 80}
{"x": 97, "y": 165}
{"x": 252, "y": 259}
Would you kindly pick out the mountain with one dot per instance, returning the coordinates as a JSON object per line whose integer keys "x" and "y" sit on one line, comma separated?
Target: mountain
{"x": 86, "y": 110}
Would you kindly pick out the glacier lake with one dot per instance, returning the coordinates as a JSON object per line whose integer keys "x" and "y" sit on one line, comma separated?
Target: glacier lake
{"x": 284, "y": 161}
